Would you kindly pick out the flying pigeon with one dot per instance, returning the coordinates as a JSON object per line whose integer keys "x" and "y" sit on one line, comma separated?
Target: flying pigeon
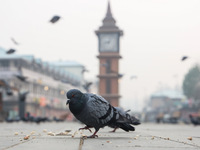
{"x": 14, "y": 41}
{"x": 184, "y": 58}
{"x": 133, "y": 77}
{"x": 87, "y": 85}
{"x": 120, "y": 75}
{"x": 96, "y": 112}
{"x": 10, "y": 51}
{"x": 4, "y": 83}
{"x": 20, "y": 77}
{"x": 84, "y": 70}
{"x": 54, "y": 19}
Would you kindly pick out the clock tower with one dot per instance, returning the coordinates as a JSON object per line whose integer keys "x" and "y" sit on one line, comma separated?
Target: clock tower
{"x": 109, "y": 54}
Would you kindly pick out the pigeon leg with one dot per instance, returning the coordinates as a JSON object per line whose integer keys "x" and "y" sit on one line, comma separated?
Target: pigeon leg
{"x": 114, "y": 130}
{"x": 93, "y": 135}
{"x": 86, "y": 127}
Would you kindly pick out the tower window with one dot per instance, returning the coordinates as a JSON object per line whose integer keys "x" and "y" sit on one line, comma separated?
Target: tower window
{"x": 108, "y": 66}
{"x": 108, "y": 86}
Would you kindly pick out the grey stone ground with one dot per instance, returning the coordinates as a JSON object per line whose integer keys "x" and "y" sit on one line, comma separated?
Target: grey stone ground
{"x": 146, "y": 137}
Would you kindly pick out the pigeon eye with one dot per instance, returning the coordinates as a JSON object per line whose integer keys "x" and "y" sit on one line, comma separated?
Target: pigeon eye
{"x": 73, "y": 95}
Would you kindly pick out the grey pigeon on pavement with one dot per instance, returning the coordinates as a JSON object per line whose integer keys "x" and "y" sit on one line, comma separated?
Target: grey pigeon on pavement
{"x": 95, "y": 112}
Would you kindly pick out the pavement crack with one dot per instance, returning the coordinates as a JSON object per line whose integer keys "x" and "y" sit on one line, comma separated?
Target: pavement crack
{"x": 14, "y": 145}
{"x": 81, "y": 143}
{"x": 164, "y": 138}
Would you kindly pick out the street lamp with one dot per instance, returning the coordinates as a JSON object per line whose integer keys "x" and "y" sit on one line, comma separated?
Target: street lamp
{"x": 22, "y": 103}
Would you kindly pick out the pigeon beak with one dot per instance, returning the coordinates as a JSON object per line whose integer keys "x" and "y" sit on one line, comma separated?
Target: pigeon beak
{"x": 68, "y": 101}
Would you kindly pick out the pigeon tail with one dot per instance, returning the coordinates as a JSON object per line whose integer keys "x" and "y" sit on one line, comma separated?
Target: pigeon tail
{"x": 126, "y": 127}
{"x": 124, "y": 117}
{"x": 134, "y": 121}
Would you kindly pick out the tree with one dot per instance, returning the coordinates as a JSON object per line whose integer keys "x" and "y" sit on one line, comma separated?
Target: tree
{"x": 197, "y": 92}
{"x": 192, "y": 78}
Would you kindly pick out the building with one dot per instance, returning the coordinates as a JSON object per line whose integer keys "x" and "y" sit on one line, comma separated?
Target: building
{"x": 76, "y": 69}
{"x": 109, "y": 54}
{"x": 44, "y": 84}
{"x": 164, "y": 102}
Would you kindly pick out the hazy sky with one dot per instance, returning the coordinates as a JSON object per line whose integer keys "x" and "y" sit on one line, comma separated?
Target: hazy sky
{"x": 157, "y": 33}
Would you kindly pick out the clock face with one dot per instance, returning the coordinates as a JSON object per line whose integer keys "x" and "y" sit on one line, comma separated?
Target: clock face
{"x": 108, "y": 42}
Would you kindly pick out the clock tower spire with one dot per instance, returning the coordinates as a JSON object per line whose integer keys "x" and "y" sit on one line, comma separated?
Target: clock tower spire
{"x": 109, "y": 47}
{"x": 109, "y": 22}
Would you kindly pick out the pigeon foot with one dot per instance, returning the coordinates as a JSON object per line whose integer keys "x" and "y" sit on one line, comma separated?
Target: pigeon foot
{"x": 93, "y": 136}
{"x": 86, "y": 128}
{"x": 114, "y": 130}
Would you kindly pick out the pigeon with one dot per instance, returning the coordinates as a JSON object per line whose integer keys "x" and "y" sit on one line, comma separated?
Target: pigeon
{"x": 123, "y": 113}
{"x": 96, "y": 112}
{"x": 133, "y": 77}
{"x": 55, "y": 19}
{"x": 84, "y": 70}
{"x": 14, "y": 41}
{"x": 184, "y": 58}
{"x": 120, "y": 75}
{"x": 20, "y": 77}
{"x": 10, "y": 51}
{"x": 87, "y": 85}
{"x": 194, "y": 120}
{"x": 4, "y": 83}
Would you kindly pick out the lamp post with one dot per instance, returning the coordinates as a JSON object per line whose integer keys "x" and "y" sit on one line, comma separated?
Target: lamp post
{"x": 1, "y": 108}
{"x": 5, "y": 87}
{"x": 22, "y": 103}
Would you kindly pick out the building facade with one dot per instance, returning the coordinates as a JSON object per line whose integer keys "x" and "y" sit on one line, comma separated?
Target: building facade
{"x": 164, "y": 103}
{"x": 46, "y": 85}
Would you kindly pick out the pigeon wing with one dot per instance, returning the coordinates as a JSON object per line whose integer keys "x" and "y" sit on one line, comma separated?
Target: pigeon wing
{"x": 100, "y": 109}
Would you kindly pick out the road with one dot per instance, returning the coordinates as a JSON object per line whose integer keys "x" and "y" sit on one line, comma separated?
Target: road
{"x": 52, "y": 136}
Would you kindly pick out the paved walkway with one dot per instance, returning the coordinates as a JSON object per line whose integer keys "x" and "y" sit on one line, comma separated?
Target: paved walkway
{"x": 52, "y": 136}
